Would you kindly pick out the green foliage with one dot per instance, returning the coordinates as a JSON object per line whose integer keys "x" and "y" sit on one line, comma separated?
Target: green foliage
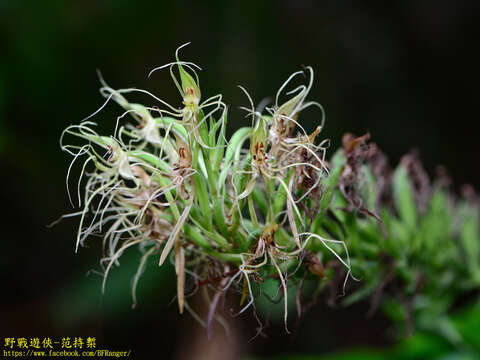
{"x": 414, "y": 266}
{"x": 423, "y": 345}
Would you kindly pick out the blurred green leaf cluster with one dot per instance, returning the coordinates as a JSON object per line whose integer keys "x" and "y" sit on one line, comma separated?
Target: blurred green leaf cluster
{"x": 423, "y": 345}
{"x": 421, "y": 257}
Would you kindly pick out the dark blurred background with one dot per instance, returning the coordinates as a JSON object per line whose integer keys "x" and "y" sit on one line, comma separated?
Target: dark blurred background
{"x": 406, "y": 71}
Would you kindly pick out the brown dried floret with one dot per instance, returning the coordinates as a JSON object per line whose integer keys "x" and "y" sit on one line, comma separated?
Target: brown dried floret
{"x": 419, "y": 180}
{"x": 356, "y": 150}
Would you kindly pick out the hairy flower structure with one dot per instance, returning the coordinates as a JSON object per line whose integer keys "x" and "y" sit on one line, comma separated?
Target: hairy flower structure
{"x": 171, "y": 181}
{"x": 229, "y": 214}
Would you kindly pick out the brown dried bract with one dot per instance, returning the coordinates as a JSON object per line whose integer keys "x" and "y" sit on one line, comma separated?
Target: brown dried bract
{"x": 356, "y": 151}
{"x": 314, "y": 264}
{"x": 419, "y": 180}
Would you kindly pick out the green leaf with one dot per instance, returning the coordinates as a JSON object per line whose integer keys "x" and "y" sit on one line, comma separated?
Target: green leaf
{"x": 219, "y": 151}
{"x": 470, "y": 239}
{"x": 403, "y": 196}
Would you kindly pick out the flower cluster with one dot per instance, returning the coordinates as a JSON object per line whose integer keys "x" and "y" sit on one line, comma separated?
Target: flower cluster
{"x": 265, "y": 205}
{"x": 171, "y": 183}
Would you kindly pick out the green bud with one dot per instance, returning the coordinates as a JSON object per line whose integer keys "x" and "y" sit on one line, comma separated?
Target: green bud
{"x": 191, "y": 90}
{"x": 258, "y": 141}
